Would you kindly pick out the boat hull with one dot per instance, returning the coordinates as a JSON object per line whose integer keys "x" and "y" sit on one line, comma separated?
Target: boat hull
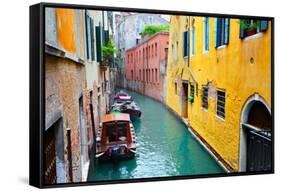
{"x": 116, "y": 153}
{"x": 134, "y": 114}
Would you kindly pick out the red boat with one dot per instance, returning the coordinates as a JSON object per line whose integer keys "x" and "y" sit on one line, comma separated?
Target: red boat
{"x": 115, "y": 138}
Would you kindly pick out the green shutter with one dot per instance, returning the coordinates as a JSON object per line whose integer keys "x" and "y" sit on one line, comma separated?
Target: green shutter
{"x": 263, "y": 26}
{"x": 92, "y": 39}
{"x": 184, "y": 43}
{"x": 98, "y": 43}
{"x": 226, "y": 30}
{"x": 218, "y": 32}
{"x": 103, "y": 37}
{"x": 86, "y": 19}
{"x": 242, "y": 31}
{"x": 215, "y": 32}
{"x": 106, "y": 37}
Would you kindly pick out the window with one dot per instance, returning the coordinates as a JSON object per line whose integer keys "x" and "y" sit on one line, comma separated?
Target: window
{"x": 146, "y": 75}
{"x": 221, "y": 104}
{"x": 156, "y": 75}
{"x": 152, "y": 75}
{"x": 176, "y": 88}
{"x": 140, "y": 74}
{"x": 192, "y": 41}
{"x": 206, "y": 33}
{"x": 116, "y": 132}
{"x": 90, "y": 37}
{"x": 192, "y": 90}
{"x": 205, "y": 97}
{"x": 185, "y": 43}
{"x": 250, "y": 27}
{"x": 155, "y": 49}
{"x": 222, "y": 31}
{"x": 152, "y": 50}
{"x": 99, "y": 43}
{"x": 143, "y": 78}
{"x": 132, "y": 74}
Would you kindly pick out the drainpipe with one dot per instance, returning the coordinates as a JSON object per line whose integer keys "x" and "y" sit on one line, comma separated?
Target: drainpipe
{"x": 188, "y": 53}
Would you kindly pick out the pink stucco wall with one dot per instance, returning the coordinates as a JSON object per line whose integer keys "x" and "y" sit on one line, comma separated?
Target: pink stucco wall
{"x": 142, "y": 65}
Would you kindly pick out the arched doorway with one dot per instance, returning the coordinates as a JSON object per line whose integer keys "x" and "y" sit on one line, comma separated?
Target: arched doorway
{"x": 255, "y": 136}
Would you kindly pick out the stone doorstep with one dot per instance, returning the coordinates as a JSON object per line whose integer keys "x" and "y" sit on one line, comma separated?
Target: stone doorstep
{"x": 85, "y": 169}
{"x": 207, "y": 147}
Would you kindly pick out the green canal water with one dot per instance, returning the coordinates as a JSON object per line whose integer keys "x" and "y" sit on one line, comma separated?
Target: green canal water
{"x": 164, "y": 148}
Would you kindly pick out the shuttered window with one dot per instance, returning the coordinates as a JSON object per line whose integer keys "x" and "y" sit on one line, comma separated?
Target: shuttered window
{"x": 193, "y": 41}
{"x": 250, "y": 27}
{"x": 98, "y": 43}
{"x": 205, "y": 97}
{"x": 192, "y": 90}
{"x": 221, "y": 104}
{"x": 88, "y": 35}
{"x": 185, "y": 43}
{"x": 92, "y": 39}
{"x": 206, "y": 33}
{"x": 222, "y": 27}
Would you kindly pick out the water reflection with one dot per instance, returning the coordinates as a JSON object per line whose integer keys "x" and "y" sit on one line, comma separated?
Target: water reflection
{"x": 164, "y": 148}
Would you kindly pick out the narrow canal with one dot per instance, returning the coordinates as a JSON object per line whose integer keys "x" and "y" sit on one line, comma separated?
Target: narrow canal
{"x": 164, "y": 148}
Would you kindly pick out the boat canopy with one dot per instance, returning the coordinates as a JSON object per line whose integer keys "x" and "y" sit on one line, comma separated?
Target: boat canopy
{"x": 116, "y": 117}
{"x": 125, "y": 97}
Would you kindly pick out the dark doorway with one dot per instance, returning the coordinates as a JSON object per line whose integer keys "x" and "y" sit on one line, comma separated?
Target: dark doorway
{"x": 259, "y": 144}
{"x": 184, "y": 94}
{"x": 258, "y": 152}
{"x": 92, "y": 119}
{"x": 50, "y": 156}
{"x": 69, "y": 155}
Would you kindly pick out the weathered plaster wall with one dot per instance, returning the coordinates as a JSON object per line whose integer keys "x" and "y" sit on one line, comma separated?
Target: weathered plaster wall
{"x": 228, "y": 68}
{"x": 142, "y": 67}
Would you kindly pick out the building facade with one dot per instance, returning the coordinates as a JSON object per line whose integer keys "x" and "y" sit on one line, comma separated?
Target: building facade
{"x": 145, "y": 66}
{"x": 78, "y": 84}
{"x": 219, "y": 82}
{"x": 128, "y": 29}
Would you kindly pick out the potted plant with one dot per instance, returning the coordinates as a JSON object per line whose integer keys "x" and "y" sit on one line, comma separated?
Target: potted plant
{"x": 108, "y": 52}
{"x": 250, "y": 27}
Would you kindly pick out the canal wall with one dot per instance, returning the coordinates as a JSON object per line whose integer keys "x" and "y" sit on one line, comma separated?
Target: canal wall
{"x": 151, "y": 90}
{"x": 219, "y": 159}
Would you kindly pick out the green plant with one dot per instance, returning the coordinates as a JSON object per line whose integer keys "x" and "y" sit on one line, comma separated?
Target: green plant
{"x": 152, "y": 29}
{"x": 248, "y": 25}
{"x": 108, "y": 50}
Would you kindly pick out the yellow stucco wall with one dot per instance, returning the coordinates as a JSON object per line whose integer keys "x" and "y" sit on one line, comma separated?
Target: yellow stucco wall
{"x": 227, "y": 68}
{"x": 66, "y": 29}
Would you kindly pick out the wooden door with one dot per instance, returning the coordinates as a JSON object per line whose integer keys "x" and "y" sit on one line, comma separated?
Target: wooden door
{"x": 50, "y": 157}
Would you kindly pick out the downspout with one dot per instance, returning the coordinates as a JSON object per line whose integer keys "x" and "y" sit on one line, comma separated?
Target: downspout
{"x": 188, "y": 55}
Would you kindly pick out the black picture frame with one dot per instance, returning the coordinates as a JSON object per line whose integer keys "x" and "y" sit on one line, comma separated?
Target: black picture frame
{"x": 37, "y": 92}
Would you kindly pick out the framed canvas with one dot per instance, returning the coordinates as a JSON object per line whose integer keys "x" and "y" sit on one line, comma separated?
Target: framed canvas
{"x": 122, "y": 95}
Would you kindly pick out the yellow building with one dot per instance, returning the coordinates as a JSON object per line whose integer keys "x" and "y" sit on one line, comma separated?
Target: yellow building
{"x": 219, "y": 82}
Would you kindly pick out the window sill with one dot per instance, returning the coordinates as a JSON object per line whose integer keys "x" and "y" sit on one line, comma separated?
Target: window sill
{"x": 221, "y": 47}
{"x": 204, "y": 109}
{"x": 257, "y": 35}
{"x": 220, "y": 118}
{"x": 205, "y": 51}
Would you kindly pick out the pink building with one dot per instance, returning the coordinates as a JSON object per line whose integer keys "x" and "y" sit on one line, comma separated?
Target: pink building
{"x": 145, "y": 66}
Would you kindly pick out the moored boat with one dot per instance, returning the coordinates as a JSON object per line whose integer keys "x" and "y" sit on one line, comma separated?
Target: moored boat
{"x": 123, "y": 99}
{"x": 115, "y": 138}
{"x": 132, "y": 109}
